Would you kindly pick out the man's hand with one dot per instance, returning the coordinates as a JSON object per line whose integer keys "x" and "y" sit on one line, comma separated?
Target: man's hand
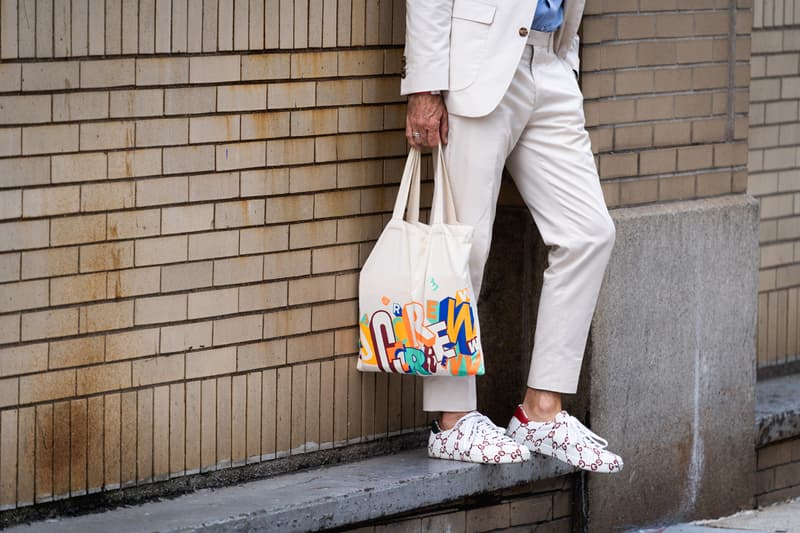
{"x": 426, "y": 116}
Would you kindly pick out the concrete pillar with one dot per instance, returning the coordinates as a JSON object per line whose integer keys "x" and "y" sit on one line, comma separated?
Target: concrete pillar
{"x": 672, "y": 366}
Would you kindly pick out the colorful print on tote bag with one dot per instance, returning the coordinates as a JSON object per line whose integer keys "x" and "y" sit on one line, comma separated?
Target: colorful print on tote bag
{"x": 416, "y": 302}
{"x": 413, "y": 338}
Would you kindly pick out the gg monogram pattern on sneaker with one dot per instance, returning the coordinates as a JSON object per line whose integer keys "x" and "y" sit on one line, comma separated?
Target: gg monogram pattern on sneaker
{"x": 566, "y": 439}
{"x": 475, "y": 439}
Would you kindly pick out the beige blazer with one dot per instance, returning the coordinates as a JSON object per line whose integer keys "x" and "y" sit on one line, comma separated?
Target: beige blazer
{"x": 471, "y": 48}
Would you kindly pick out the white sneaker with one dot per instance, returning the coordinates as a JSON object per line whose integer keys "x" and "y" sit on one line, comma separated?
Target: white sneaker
{"x": 475, "y": 439}
{"x": 566, "y": 439}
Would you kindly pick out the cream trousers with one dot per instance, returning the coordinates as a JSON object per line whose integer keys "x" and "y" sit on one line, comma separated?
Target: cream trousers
{"x": 537, "y": 131}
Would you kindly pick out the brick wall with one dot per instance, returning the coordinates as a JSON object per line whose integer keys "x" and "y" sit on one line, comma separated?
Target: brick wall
{"x": 181, "y": 231}
{"x": 778, "y": 476}
{"x": 187, "y": 190}
{"x": 774, "y": 164}
{"x": 666, "y": 87}
{"x": 545, "y": 507}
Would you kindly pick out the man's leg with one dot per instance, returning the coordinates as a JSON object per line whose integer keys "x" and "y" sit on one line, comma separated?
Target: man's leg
{"x": 554, "y": 169}
{"x": 475, "y": 156}
{"x": 555, "y": 173}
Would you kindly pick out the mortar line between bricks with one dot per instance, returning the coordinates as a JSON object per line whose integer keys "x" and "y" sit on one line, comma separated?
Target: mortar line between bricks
{"x": 731, "y": 70}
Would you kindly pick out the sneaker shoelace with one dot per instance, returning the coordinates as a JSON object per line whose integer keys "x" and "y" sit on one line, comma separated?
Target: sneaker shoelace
{"x": 577, "y": 432}
{"x": 484, "y": 427}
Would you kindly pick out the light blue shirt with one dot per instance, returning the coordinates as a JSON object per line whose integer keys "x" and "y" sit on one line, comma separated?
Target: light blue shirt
{"x": 549, "y": 15}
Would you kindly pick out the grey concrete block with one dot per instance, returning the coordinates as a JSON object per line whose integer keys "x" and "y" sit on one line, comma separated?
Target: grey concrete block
{"x": 673, "y": 364}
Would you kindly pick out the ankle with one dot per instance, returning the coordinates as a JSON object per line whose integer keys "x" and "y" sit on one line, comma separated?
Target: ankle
{"x": 541, "y": 406}
{"x": 448, "y": 419}
{"x": 540, "y": 414}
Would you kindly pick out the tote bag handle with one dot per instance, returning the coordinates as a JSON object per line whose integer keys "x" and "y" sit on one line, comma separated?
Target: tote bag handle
{"x": 409, "y": 189}
{"x": 443, "y": 210}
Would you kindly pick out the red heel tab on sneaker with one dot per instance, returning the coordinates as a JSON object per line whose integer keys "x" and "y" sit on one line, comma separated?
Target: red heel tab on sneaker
{"x": 521, "y": 415}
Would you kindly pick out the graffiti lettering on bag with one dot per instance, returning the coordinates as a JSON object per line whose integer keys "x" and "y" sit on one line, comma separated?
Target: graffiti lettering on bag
{"x": 419, "y": 339}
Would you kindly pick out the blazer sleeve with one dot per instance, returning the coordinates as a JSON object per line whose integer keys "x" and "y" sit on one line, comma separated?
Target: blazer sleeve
{"x": 572, "y": 58}
{"x": 426, "y": 61}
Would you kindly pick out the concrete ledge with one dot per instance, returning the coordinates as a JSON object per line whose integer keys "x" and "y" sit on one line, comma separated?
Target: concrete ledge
{"x": 777, "y": 409}
{"x": 326, "y": 497}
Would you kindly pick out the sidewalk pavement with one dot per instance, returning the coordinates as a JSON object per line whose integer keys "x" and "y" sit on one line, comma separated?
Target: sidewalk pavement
{"x": 778, "y": 518}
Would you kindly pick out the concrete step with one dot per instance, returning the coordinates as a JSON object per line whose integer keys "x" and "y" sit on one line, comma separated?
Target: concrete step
{"x": 777, "y": 409}
{"x": 314, "y": 499}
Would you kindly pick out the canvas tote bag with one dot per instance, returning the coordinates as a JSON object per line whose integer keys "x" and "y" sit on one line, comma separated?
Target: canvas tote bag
{"x": 417, "y": 307}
